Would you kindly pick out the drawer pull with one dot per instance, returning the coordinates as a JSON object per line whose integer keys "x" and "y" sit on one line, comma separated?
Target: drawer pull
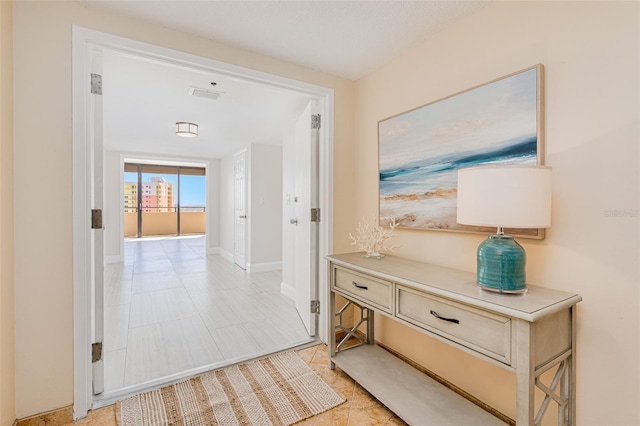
{"x": 437, "y": 315}
{"x": 362, "y": 287}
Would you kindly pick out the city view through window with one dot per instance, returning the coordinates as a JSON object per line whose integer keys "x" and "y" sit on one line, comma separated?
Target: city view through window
{"x": 160, "y": 193}
{"x": 163, "y": 200}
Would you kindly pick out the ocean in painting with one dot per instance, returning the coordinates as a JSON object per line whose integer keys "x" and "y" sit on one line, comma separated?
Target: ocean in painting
{"x": 422, "y": 194}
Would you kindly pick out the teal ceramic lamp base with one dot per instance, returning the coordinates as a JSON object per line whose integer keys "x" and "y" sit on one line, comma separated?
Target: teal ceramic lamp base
{"x": 501, "y": 265}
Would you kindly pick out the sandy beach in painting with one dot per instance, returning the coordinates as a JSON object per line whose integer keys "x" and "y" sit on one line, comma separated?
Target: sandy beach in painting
{"x": 415, "y": 211}
{"x": 418, "y": 210}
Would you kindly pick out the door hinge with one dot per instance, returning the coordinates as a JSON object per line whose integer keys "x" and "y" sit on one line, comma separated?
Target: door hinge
{"x": 96, "y": 218}
{"x": 96, "y": 84}
{"x": 96, "y": 352}
{"x": 316, "y": 121}
{"x": 315, "y": 215}
{"x": 315, "y": 306}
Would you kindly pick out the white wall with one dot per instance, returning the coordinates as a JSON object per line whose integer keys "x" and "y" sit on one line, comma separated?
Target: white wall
{"x": 590, "y": 51}
{"x": 265, "y": 207}
{"x": 227, "y": 207}
{"x": 213, "y": 206}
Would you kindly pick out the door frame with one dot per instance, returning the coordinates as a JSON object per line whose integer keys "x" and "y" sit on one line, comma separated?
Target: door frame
{"x": 84, "y": 42}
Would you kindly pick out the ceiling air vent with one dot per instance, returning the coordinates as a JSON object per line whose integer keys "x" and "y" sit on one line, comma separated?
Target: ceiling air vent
{"x": 202, "y": 93}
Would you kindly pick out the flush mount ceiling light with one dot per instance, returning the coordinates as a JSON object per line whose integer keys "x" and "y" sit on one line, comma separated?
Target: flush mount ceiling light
{"x": 186, "y": 130}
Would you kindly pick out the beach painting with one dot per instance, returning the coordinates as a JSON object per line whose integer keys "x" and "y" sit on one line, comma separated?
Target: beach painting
{"x": 420, "y": 151}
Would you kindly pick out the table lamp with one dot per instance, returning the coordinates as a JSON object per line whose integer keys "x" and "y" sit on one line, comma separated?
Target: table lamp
{"x": 504, "y": 197}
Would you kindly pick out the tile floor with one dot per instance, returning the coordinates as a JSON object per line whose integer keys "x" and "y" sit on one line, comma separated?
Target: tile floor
{"x": 360, "y": 409}
{"x": 171, "y": 308}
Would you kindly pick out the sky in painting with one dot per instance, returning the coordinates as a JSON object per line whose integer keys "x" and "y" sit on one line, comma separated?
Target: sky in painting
{"x": 486, "y": 117}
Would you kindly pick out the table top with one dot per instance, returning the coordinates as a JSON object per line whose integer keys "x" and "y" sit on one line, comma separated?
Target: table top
{"x": 460, "y": 286}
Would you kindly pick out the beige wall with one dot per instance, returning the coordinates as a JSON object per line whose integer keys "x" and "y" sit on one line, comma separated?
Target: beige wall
{"x": 591, "y": 52}
{"x": 7, "y": 348}
{"x": 159, "y": 224}
{"x": 193, "y": 222}
{"x": 165, "y": 223}
{"x": 43, "y": 142}
{"x": 130, "y": 225}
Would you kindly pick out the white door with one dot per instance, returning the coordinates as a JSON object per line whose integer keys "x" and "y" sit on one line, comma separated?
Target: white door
{"x": 240, "y": 209}
{"x": 97, "y": 234}
{"x": 306, "y": 198}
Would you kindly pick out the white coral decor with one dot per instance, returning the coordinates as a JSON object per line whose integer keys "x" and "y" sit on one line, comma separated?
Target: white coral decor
{"x": 371, "y": 237}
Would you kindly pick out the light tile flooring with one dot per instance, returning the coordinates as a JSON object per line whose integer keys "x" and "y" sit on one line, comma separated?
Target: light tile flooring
{"x": 360, "y": 409}
{"x": 170, "y": 308}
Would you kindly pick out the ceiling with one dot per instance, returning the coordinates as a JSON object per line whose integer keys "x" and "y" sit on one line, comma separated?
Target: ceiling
{"x": 144, "y": 99}
{"x": 345, "y": 38}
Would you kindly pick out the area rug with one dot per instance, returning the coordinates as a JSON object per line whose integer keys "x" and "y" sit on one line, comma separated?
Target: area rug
{"x": 278, "y": 390}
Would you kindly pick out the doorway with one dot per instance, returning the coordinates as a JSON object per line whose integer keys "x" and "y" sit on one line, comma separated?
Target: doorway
{"x": 87, "y": 41}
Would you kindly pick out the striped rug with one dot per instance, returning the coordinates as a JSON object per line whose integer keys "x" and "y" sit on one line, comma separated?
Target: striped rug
{"x": 278, "y": 390}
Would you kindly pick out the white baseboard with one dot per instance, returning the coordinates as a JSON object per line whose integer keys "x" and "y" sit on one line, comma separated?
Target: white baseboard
{"x": 213, "y": 250}
{"x": 251, "y": 267}
{"x": 226, "y": 255}
{"x": 264, "y": 267}
{"x": 113, "y": 259}
{"x": 288, "y": 290}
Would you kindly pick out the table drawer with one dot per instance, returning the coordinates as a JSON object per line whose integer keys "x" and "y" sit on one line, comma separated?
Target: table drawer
{"x": 365, "y": 288}
{"x": 482, "y": 331}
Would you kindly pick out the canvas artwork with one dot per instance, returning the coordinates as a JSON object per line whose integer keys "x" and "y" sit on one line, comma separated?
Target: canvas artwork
{"x": 420, "y": 151}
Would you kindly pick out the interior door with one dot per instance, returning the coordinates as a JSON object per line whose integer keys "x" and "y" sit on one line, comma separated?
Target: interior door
{"x": 240, "y": 209}
{"x": 306, "y": 233}
{"x": 97, "y": 202}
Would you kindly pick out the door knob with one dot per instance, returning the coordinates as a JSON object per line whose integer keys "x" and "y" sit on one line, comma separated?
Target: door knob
{"x": 294, "y": 221}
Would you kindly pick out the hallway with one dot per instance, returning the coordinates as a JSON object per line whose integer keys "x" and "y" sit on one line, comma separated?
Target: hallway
{"x": 170, "y": 308}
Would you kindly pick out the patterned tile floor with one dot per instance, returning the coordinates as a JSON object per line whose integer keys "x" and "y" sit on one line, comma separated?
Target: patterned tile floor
{"x": 360, "y": 408}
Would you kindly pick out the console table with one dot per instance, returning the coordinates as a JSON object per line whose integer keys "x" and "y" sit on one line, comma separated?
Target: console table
{"x": 527, "y": 334}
